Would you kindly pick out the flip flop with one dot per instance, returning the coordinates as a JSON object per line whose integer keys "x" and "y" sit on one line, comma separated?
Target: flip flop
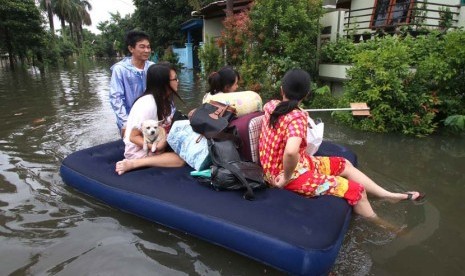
{"x": 419, "y": 199}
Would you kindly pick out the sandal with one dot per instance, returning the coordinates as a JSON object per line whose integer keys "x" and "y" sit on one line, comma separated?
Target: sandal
{"x": 420, "y": 197}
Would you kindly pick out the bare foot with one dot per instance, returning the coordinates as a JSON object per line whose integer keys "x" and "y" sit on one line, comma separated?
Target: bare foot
{"x": 385, "y": 224}
{"x": 123, "y": 166}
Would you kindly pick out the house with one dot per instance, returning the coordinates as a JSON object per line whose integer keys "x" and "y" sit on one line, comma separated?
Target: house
{"x": 206, "y": 22}
{"x": 214, "y": 13}
{"x": 187, "y": 56}
{"x": 358, "y": 19}
{"x": 361, "y": 19}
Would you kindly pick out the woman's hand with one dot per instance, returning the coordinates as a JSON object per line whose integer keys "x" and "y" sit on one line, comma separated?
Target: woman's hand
{"x": 161, "y": 145}
{"x": 281, "y": 181}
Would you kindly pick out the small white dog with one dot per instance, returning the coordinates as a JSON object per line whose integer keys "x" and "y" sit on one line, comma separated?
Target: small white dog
{"x": 153, "y": 133}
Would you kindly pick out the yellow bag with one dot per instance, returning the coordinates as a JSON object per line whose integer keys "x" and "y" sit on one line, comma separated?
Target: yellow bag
{"x": 245, "y": 102}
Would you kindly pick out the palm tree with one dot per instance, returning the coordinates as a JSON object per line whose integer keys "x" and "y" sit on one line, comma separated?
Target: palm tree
{"x": 46, "y": 5}
{"x": 63, "y": 9}
{"x": 83, "y": 18}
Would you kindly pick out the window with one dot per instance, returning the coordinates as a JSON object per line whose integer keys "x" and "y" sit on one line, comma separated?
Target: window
{"x": 391, "y": 12}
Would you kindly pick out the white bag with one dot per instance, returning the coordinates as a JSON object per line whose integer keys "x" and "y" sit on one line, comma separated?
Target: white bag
{"x": 314, "y": 136}
{"x": 189, "y": 145}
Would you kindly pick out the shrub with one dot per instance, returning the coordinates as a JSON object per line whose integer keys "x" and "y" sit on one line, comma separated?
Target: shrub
{"x": 411, "y": 84}
{"x": 340, "y": 51}
{"x": 209, "y": 56}
{"x": 382, "y": 78}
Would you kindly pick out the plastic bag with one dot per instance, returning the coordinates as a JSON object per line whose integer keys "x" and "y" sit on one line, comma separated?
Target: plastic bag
{"x": 314, "y": 135}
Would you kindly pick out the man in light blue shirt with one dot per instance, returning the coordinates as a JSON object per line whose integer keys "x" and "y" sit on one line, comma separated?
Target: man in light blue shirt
{"x": 128, "y": 78}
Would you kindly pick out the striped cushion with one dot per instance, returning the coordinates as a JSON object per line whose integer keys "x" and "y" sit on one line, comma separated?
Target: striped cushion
{"x": 255, "y": 126}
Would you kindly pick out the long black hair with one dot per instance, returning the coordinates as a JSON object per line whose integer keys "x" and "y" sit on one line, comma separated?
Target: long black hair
{"x": 218, "y": 81}
{"x": 158, "y": 85}
{"x": 295, "y": 86}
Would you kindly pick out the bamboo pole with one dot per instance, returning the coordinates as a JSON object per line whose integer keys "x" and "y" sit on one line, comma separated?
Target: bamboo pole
{"x": 337, "y": 109}
{"x": 358, "y": 109}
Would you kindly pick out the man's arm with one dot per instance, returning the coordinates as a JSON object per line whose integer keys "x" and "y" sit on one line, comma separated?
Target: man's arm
{"x": 117, "y": 97}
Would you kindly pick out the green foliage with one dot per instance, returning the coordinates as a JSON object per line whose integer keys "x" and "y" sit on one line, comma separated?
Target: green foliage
{"x": 21, "y": 29}
{"x": 419, "y": 14}
{"x": 161, "y": 20}
{"x": 411, "y": 84}
{"x": 321, "y": 98}
{"x": 66, "y": 48}
{"x": 340, "y": 51}
{"x": 283, "y": 35}
{"x": 456, "y": 123}
{"x": 445, "y": 18}
{"x": 382, "y": 78}
{"x": 111, "y": 39}
{"x": 210, "y": 56}
{"x": 170, "y": 56}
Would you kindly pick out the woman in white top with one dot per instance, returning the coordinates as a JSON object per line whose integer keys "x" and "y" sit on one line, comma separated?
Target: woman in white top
{"x": 157, "y": 104}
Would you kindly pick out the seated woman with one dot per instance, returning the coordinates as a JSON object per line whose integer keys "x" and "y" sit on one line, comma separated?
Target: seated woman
{"x": 223, "y": 83}
{"x": 157, "y": 104}
{"x": 286, "y": 164}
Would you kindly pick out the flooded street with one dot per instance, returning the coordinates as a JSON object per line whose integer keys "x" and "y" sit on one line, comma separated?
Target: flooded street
{"x": 47, "y": 228}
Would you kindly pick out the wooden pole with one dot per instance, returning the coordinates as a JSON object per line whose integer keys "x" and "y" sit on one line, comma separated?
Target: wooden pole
{"x": 358, "y": 109}
{"x": 337, "y": 109}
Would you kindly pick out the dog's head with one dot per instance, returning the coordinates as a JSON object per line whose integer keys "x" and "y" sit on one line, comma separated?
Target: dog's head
{"x": 150, "y": 128}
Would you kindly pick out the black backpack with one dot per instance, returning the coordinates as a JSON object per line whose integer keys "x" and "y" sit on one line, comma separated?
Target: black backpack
{"x": 228, "y": 171}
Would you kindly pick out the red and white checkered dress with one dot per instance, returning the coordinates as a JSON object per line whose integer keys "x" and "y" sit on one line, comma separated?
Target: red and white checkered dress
{"x": 311, "y": 171}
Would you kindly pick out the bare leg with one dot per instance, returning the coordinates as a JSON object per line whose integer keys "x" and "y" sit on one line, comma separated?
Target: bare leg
{"x": 364, "y": 209}
{"x": 166, "y": 160}
{"x": 352, "y": 173}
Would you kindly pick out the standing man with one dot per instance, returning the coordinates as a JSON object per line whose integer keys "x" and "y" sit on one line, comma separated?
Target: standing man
{"x": 128, "y": 78}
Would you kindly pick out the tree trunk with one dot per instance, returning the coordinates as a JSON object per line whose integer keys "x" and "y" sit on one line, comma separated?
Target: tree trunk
{"x": 48, "y": 4}
{"x": 9, "y": 50}
{"x": 62, "y": 26}
{"x": 229, "y": 7}
{"x": 80, "y": 35}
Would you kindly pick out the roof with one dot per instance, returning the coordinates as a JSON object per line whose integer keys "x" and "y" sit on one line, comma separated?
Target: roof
{"x": 192, "y": 24}
{"x": 218, "y": 8}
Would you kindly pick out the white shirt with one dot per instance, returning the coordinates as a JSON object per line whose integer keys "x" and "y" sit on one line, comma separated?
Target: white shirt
{"x": 143, "y": 109}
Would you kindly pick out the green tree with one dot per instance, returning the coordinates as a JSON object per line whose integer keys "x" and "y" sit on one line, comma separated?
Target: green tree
{"x": 75, "y": 12}
{"x": 162, "y": 21}
{"x": 21, "y": 29}
{"x": 46, "y": 5}
{"x": 111, "y": 39}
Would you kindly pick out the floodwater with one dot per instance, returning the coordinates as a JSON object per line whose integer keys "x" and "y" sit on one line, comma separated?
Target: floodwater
{"x": 47, "y": 228}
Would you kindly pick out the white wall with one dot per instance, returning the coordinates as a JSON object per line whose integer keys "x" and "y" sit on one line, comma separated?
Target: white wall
{"x": 332, "y": 19}
{"x": 361, "y": 4}
{"x": 461, "y": 17}
{"x": 212, "y": 27}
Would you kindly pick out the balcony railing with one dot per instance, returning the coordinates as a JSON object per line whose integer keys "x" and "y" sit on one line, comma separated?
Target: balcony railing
{"x": 417, "y": 15}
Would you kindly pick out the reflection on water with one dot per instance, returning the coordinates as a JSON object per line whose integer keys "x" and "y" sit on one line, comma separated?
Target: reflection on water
{"x": 48, "y": 228}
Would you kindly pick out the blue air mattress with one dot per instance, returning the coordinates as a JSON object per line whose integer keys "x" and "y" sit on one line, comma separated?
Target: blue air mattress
{"x": 294, "y": 234}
